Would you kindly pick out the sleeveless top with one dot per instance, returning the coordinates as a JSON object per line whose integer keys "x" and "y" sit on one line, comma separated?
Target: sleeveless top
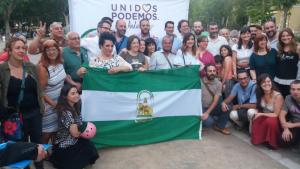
{"x": 269, "y": 107}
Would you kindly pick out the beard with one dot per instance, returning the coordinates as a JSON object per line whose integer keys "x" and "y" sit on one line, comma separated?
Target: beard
{"x": 213, "y": 34}
{"x": 271, "y": 34}
{"x": 211, "y": 77}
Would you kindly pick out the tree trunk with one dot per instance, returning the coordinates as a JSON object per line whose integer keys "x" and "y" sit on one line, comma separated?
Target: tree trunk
{"x": 7, "y": 27}
{"x": 285, "y": 15}
{"x": 66, "y": 17}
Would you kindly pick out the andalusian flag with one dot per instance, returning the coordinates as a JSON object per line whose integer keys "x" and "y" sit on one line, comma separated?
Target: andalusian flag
{"x": 142, "y": 107}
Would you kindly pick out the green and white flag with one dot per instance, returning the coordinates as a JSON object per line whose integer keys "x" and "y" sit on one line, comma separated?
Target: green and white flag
{"x": 142, "y": 107}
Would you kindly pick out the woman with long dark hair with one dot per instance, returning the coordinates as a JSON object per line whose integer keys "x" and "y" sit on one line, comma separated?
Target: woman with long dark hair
{"x": 287, "y": 60}
{"x": 70, "y": 150}
{"x": 265, "y": 123}
{"x": 227, "y": 72}
{"x": 188, "y": 50}
{"x": 242, "y": 50}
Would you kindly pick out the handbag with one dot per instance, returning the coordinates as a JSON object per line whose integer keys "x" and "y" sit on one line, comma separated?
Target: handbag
{"x": 12, "y": 126}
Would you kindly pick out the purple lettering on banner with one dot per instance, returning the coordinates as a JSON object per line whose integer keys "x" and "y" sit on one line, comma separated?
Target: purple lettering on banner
{"x": 123, "y": 7}
{"x": 114, "y": 7}
{"x": 128, "y": 16}
{"x": 113, "y": 15}
{"x": 154, "y": 7}
{"x": 121, "y": 16}
{"x": 134, "y": 16}
{"x": 146, "y": 7}
{"x": 137, "y": 8}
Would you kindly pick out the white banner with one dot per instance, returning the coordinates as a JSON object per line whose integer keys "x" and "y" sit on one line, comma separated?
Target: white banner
{"x": 85, "y": 14}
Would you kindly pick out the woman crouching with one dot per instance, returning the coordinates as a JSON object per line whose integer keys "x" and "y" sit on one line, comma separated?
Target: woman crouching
{"x": 71, "y": 151}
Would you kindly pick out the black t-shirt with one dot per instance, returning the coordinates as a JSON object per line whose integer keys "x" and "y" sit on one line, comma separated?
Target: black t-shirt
{"x": 287, "y": 66}
{"x": 135, "y": 61}
{"x": 30, "y": 99}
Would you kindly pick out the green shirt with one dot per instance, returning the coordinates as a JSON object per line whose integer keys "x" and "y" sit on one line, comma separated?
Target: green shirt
{"x": 72, "y": 61}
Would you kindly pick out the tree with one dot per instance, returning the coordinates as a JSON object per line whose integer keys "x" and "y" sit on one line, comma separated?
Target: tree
{"x": 285, "y": 6}
{"x": 260, "y": 10}
{"x": 6, "y": 9}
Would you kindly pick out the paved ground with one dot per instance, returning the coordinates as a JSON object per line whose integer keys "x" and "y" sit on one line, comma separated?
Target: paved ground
{"x": 214, "y": 151}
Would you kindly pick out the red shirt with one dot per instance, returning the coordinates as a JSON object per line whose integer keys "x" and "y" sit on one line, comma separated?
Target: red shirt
{"x": 4, "y": 57}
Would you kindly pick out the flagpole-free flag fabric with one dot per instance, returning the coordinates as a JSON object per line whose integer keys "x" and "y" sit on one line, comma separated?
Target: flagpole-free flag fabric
{"x": 142, "y": 107}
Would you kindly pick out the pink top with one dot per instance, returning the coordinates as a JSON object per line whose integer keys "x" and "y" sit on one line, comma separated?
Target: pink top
{"x": 4, "y": 57}
{"x": 207, "y": 58}
{"x": 229, "y": 75}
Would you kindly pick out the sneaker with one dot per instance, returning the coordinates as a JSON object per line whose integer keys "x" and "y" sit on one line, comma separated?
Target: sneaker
{"x": 224, "y": 131}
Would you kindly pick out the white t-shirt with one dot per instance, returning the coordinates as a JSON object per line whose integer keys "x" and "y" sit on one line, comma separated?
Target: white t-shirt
{"x": 187, "y": 58}
{"x": 92, "y": 46}
{"x": 214, "y": 45}
{"x": 242, "y": 54}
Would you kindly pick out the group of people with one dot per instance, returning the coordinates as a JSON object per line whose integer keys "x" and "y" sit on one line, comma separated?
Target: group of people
{"x": 239, "y": 70}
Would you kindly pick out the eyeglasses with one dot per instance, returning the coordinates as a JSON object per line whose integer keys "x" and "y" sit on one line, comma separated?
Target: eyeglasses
{"x": 51, "y": 50}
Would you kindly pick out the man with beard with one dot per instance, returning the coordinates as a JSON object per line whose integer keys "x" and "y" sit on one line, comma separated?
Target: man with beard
{"x": 91, "y": 44}
{"x": 197, "y": 28}
{"x": 122, "y": 40}
{"x": 244, "y": 92}
{"x": 211, "y": 94}
{"x": 214, "y": 40}
{"x": 165, "y": 59}
{"x": 270, "y": 29}
{"x": 145, "y": 30}
{"x": 290, "y": 116}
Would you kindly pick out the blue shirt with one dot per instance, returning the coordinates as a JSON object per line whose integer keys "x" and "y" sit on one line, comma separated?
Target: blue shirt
{"x": 243, "y": 94}
{"x": 122, "y": 44}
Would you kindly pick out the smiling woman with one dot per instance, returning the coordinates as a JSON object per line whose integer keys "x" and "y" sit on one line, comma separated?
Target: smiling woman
{"x": 51, "y": 77}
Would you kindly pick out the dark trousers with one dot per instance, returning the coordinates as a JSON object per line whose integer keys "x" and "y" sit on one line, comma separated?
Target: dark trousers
{"x": 33, "y": 128}
{"x": 295, "y": 140}
{"x": 284, "y": 89}
{"x": 217, "y": 117}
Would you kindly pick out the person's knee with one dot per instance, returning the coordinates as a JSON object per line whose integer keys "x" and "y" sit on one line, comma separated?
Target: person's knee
{"x": 250, "y": 113}
{"x": 234, "y": 115}
{"x": 208, "y": 122}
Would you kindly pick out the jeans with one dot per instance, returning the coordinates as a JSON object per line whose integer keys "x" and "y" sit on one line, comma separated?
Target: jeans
{"x": 217, "y": 117}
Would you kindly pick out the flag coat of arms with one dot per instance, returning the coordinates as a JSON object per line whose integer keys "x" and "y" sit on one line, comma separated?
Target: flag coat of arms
{"x": 142, "y": 107}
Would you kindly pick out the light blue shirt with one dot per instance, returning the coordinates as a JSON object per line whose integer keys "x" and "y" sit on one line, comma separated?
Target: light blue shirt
{"x": 159, "y": 61}
{"x": 243, "y": 94}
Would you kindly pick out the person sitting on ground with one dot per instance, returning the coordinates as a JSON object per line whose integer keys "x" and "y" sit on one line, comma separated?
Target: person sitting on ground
{"x": 211, "y": 95}
{"x": 132, "y": 55}
{"x": 265, "y": 123}
{"x": 15, "y": 152}
{"x": 107, "y": 60}
{"x": 290, "y": 116}
{"x": 70, "y": 150}
{"x": 244, "y": 92}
